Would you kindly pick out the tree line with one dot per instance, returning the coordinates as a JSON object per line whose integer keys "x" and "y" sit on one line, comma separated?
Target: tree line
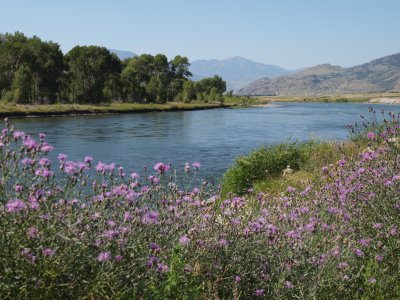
{"x": 33, "y": 71}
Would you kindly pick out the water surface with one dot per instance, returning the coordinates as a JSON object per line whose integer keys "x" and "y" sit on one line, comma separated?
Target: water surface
{"x": 212, "y": 137}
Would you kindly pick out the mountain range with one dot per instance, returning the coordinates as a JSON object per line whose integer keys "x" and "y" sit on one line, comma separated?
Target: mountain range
{"x": 237, "y": 71}
{"x": 122, "y": 54}
{"x": 379, "y": 75}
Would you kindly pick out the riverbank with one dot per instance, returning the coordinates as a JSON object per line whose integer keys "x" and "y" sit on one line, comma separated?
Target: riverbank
{"x": 383, "y": 98}
{"x": 112, "y": 108}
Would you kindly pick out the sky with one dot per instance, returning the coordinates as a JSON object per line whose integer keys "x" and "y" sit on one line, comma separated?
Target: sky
{"x": 289, "y": 33}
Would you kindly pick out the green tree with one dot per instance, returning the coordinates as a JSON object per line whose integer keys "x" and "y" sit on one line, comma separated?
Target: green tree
{"x": 22, "y": 85}
{"x": 157, "y": 88}
{"x": 44, "y": 59}
{"x": 13, "y": 53}
{"x": 47, "y": 65}
{"x": 205, "y": 85}
{"x": 178, "y": 75}
{"x": 189, "y": 91}
{"x": 90, "y": 69}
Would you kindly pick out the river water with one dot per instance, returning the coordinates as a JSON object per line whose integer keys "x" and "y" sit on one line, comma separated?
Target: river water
{"x": 212, "y": 137}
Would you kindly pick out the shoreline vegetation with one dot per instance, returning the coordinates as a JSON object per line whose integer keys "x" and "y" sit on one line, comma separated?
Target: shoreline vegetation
{"x": 316, "y": 219}
{"x": 17, "y": 111}
{"x": 228, "y": 101}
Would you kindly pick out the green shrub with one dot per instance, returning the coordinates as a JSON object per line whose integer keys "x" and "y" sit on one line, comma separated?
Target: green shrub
{"x": 267, "y": 161}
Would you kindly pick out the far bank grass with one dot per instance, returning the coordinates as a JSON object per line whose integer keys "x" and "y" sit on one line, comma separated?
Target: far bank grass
{"x": 7, "y": 110}
{"x": 337, "y": 98}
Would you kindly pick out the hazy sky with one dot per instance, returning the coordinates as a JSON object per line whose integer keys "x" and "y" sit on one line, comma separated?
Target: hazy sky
{"x": 289, "y": 33}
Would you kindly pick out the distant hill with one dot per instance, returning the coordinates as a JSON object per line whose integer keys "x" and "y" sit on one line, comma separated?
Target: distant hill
{"x": 122, "y": 54}
{"x": 380, "y": 75}
{"x": 236, "y": 71}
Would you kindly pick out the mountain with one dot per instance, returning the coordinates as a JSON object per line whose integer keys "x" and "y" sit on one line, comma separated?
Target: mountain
{"x": 236, "y": 71}
{"x": 380, "y": 75}
{"x": 122, "y": 54}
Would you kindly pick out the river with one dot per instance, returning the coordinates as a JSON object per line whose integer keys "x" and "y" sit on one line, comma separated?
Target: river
{"x": 212, "y": 137}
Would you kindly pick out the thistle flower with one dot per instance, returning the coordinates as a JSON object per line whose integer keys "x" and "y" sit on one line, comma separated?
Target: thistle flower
{"x": 259, "y": 293}
{"x": 196, "y": 165}
{"x": 161, "y": 168}
{"x": 104, "y": 256}
{"x": 15, "y": 205}
{"x": 371, "y": 136}
{"x": 48, "y": 252}
{"x": 184, "y": 240}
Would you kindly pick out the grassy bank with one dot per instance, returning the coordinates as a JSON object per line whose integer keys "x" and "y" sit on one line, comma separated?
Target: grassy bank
{"x": 263, "y": 170}
{"x": 112, "y": 108}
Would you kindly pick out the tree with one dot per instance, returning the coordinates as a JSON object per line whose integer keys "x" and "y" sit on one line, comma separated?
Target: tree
{"x": 157, "y": 88}
{"x": 178, "y": 74}
{"x": 47, "y": 65}
{"x": 13, "y": 53}
{"x": 189, "y": 91}
{"x": 135, "y": 76}
{"x": 205, "y": 85}
{"x": 90, "y": 69}
{"x": 44, "y": 59}
{"x": 22, "y": 85}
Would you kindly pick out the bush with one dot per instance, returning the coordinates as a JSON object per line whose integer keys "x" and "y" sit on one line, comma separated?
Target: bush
{"x": 268, "y": 161}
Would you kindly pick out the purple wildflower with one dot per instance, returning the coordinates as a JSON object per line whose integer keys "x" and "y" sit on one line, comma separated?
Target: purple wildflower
{"x": 289, "y": 285}
{"x": 30, "y": 143}
{"x": 196, "y": 165}
{"x": 371, "y": 135}
{"x": 104, "y": 256}
{"x": 18, "y": 134}
{"x": 32, "y": 232}
{"x": 101, "y": 167}
{"x": 46, "y": 148}
{"x": 154, "y": 247}
{"x": 15, "y": 205}
{"x": 371, "y": 280}
{"x": 128, "y": 216}
{"x": 358, "y": 253}
{"x": 48, "y": 252}
{"x": 151, "y": 217}
{"x": 291, "y": 189}
{"x": 161, "y": 168}
{"x": 184, "y": 240}
{"x": 259, "y": 293}
{"x": 135, "y": 175}
{"x": 62, "y": 157}
{"x": 162, "y": 268}
{"x": 379, "y": 257}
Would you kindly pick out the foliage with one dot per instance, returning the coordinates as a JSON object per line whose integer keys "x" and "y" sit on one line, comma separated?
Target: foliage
{"x": 268, "y": 161}
{"x": 42, "y": 61}
{"x": 89, "y": 69}
{"x": 36, "y": 72}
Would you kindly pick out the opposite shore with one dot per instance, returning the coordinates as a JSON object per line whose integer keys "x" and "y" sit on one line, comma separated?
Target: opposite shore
{"x": 47, "y": 110}
{"x": 112, "y": 108}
